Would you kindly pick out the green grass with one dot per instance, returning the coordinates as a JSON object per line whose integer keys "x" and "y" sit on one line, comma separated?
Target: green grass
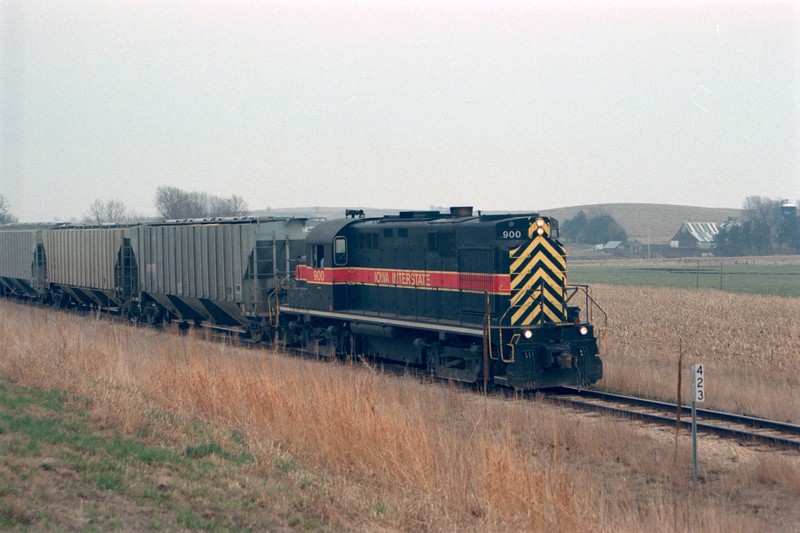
{"x": 778, "y": 280}
{"x": 61, "y": 472}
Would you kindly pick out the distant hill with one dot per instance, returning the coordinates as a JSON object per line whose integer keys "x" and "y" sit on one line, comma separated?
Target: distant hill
{"x": 654, "y": 223}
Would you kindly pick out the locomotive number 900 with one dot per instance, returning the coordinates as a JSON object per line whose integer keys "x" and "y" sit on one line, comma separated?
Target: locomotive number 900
{"x": 511, "y": 234}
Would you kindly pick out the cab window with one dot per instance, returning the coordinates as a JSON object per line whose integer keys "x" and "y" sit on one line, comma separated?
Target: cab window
{"x": 340, "y": 251}
{"x": 318, "y": 256}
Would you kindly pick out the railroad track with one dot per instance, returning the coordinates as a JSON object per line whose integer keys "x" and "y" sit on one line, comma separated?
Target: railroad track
{"x": 746, "y": 429}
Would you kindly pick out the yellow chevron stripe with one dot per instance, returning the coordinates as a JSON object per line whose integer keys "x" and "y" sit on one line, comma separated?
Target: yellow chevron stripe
{"x": 530, "y": 301}
{"x": 554, "y": 299}
{"x": 530, "y": 319}
{"x": 520, "y": 258}
{"x": 537, "y": 310}
{"x": 539, "y": 261}
{"x": 557, "y": 263}
{"x": 540, "y": 275}
{"x": 554, "y": 249}
{"x": 556, "y": 303}
{"x": 548, "y": 267}
{"x": 539, "y": 241}
{"x": 518, "y": 294}
{"x": 522, "y": 310}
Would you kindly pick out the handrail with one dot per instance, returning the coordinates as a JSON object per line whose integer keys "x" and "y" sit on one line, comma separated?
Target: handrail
{"x": 274, "y": 314}
{"x": 590, "y": 306}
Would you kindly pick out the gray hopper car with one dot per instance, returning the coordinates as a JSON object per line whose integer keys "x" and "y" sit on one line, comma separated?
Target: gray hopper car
{"x": 90, "y": 265}
{"x": 22, "y": 262}
{"x": 224, "y": 272}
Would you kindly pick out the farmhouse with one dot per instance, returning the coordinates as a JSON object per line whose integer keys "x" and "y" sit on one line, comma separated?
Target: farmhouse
{"x": 627, "y": 248}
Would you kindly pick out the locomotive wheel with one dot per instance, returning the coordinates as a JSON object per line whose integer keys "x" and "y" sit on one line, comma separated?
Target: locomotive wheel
{"x": 329, "y": 350}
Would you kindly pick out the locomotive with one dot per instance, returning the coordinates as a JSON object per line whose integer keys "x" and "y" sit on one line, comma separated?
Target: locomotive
{"x": 468, "y": 298}
{"x": 463, "y": 297}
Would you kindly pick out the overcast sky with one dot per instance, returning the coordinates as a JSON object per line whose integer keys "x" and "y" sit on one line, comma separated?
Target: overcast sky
{"x": 500, "y": 105}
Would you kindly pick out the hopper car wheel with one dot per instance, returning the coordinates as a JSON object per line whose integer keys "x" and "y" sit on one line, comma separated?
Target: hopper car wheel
{"x": 432, "y": 362}
{"x": 61, "y": 300}
{"x": 132, "y": 312}
{"x": 152, "y": 315}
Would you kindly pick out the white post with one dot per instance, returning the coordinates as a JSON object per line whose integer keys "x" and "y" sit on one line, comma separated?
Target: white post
{"x": 698, "y": 395}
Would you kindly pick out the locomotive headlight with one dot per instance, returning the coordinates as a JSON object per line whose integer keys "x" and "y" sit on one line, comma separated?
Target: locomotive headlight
{"x": 540, "y": 231}
{"x": 540, "y": 222}
{"x": 584, "y": 330}
{"x": 527, "y": 333}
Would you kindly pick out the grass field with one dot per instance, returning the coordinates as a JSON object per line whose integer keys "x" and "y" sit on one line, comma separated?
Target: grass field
{"x": 63, "y": 469}
{"x": 109, "y": 427}
{"x": 780, "y": 277}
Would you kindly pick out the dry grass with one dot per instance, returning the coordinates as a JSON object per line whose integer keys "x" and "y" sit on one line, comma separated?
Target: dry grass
{"x": 400, "y": 455}
{"x": 749, "y": 344}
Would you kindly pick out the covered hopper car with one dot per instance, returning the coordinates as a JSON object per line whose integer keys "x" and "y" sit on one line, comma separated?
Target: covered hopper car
{"x": 22, "y": 264}
{"x": 227, "y": 273}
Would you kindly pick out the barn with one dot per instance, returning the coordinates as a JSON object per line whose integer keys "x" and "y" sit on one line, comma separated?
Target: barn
{"x": 695, "y": 237}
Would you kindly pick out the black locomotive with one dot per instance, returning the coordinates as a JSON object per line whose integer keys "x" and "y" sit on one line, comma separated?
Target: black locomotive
{"x": 465, "y": 297}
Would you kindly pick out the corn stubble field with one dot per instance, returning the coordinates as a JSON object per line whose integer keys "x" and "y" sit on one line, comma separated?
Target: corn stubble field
{"x": 240, "y": 439}
{"x": 750, "y": 346}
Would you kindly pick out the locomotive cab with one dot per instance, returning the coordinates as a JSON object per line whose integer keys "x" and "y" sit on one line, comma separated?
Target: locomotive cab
{"x": 326, "y": 260}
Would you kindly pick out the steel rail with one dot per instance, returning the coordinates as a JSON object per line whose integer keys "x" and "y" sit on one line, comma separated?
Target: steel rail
{"x": 750, "y": 428}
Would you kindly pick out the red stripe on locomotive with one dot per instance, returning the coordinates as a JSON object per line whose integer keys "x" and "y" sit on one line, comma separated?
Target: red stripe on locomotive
{"x": 415, "y": 279}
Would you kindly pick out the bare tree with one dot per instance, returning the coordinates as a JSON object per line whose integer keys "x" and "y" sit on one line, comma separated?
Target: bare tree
{"x": 765, "y": 213}
{"x": 5, "y": 212}
{"x": 762, "y": 210}
{"x": 174, "y": 203}
{"x": 239, "y": 206}
{"x": 137, "y": 216}
{"x": 107, "y": 211}
{"x": 218, "y": 207}
{"x": 235, "y": 206}
{"x": 170, "y": 202}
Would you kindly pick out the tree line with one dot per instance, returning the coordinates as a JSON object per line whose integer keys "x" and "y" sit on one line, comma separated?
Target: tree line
{"x": 170, "y": 203}
{"x": 174, "y": 203}
{"x": 5, "y": 212}
{"x": 763, "y": 229}
{"x": 597, "y": 229}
